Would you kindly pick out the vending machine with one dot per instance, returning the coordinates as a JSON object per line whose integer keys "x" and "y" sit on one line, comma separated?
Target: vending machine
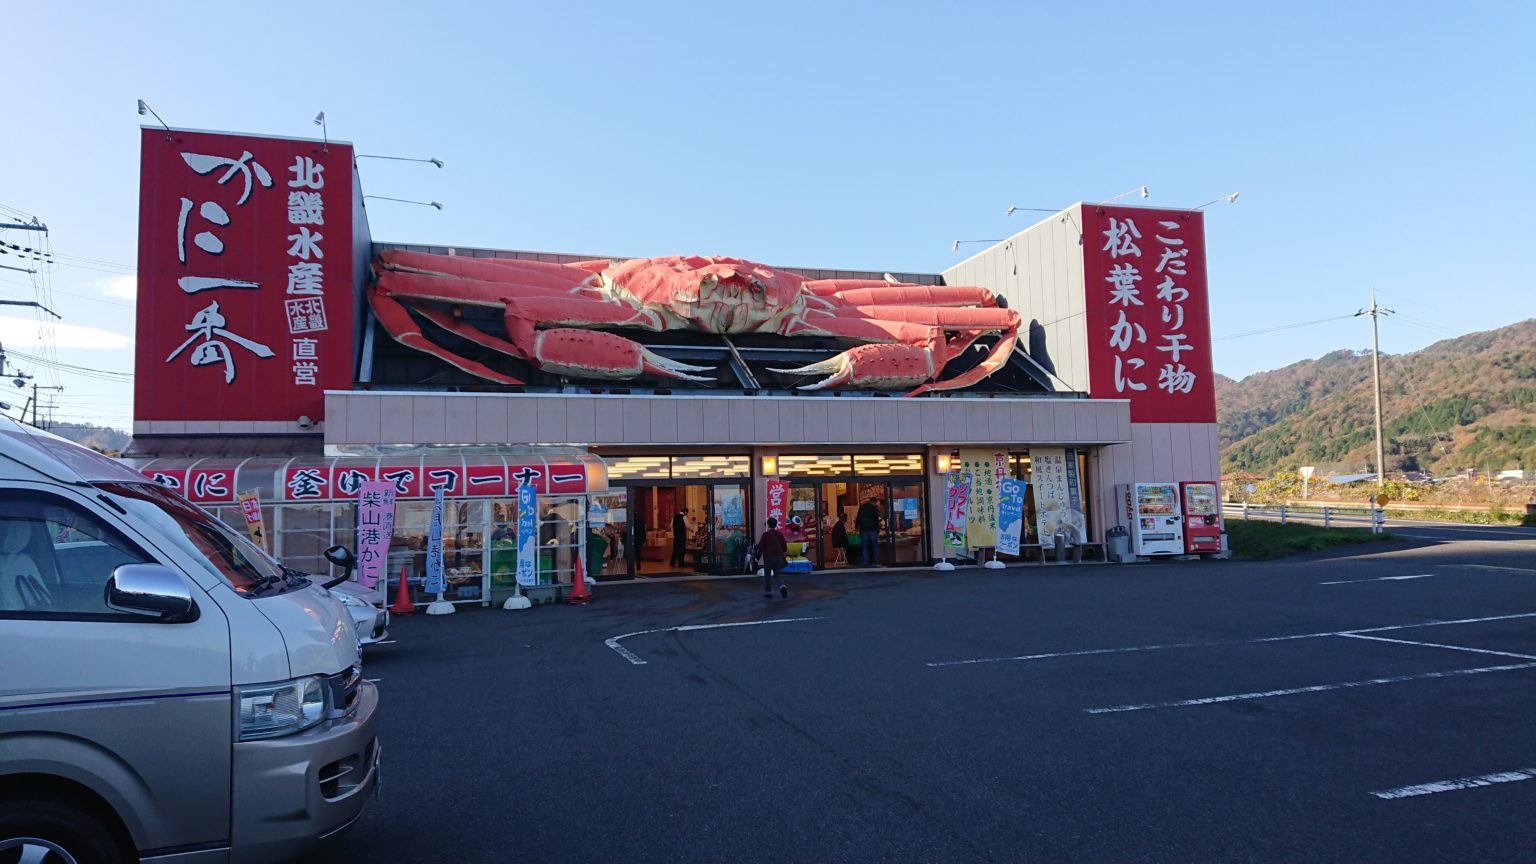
{"x": 1150, "y": 512}
{"x": 1202, "y": 516}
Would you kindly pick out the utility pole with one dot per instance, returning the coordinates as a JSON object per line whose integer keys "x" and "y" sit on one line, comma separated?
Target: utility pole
{"x": 1375, "y": 312}
{"x": 35, "y": 403}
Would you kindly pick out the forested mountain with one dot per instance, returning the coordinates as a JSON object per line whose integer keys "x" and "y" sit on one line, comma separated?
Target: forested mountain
{"x": 1468, "y": 402}
{"x": 102, "y": 438}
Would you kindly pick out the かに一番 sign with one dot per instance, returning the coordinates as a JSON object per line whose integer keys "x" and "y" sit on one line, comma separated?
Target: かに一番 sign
{"x": 245, "y": 282}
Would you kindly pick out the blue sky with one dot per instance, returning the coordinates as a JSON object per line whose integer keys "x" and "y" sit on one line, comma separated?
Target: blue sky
{"x": 1375, "y": 145}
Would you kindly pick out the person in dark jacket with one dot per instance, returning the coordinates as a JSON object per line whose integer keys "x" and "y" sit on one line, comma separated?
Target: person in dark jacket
{"x": 840, "y": 535}
{"x": 773, "y": 548}
{"x": 867, "y": 520}
{"x": 680, "y": 538}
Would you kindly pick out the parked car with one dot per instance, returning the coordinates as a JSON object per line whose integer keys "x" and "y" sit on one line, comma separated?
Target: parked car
{"x": 167, "y": 691}
{"x": 369, "y": 616}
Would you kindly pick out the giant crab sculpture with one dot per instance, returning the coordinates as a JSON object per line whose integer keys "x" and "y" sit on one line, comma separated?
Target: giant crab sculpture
{"x": 555, "y": 313}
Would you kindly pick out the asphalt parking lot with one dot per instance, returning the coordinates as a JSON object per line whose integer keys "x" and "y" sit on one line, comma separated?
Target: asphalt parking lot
{"x": 1377, "y": 704}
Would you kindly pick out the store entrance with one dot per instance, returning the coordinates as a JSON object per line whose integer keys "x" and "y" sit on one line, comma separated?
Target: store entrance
{"x": 829, "y": 514}
{"x": 670, "y": 530}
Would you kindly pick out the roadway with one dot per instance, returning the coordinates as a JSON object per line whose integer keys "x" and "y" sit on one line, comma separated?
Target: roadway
{"x": 1374, "y": 704}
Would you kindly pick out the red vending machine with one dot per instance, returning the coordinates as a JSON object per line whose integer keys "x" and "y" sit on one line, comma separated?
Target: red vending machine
{"x": 1202, "y": 517}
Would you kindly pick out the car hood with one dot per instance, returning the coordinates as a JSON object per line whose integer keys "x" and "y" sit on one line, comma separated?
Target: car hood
{"x": 316, "y": 628}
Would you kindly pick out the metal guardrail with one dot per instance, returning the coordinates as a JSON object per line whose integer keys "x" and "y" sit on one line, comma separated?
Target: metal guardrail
{"x": 1375, "y": 517}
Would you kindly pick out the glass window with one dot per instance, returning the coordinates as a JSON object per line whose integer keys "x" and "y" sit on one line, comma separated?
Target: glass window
{"x": 464, "y": 522}
{"x": 815, "y": 465}
{"x": 608, "y": 520}
{"x": 225, "y": 553}
{"x": 881, "y": 465}
{"x": 639, "y": 467}
{"x": 706, "y": 467}
{"x": 55, "y": 559}
{"x": 304, "y": 533}
{"x": 561, "y": 521}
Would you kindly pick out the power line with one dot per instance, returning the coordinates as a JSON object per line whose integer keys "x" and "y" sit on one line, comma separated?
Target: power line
{"x": 69, "y": 367}
{"x": 1282, "y": 327}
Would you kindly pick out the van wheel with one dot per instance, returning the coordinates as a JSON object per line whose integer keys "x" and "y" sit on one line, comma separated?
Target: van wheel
{"x": 53, "y": 831}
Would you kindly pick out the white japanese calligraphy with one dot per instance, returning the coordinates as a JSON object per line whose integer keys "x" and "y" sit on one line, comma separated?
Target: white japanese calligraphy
{"x": 306, "y": 315}
{"x": 306, "y": 173}
{"x": 1175, "y": 379}
{"x": 1168, "y": 291}
{"x": 1122, "y": 279}
{"x": 205, "y": 325}
{"x": 306, "y": 243}
{"x": 305, "y": 208}
{"x": 1173, "y": 261}
{"x": 207, "y": 164}
{"x": 1122, "y": 383}
{"x": 304, "y": 278}
{"x": 1175, "y": 345}
{"x": 1120, "y": 333}
{"x": 1121, "y": 237}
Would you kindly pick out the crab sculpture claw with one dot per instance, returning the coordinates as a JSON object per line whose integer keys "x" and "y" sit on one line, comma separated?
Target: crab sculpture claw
{"x": 871, "y": 366}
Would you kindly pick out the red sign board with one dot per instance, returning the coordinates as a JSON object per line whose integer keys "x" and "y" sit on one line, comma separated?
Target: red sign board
{"x": 1149, "y": 330}
{"x": 245, "y": 277}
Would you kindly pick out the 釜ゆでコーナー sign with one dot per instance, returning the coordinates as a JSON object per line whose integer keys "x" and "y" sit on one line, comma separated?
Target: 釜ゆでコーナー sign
{"x": 245, "y": 282}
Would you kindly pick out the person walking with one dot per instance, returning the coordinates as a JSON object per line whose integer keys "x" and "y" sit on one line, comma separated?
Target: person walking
{"x": 680, "y": 538}
{"x": 867, "y": 520}
{"x": 772, "y": 548}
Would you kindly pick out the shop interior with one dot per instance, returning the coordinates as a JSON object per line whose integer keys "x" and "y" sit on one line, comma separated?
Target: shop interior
{"x": 827, "y": 492}
{"x": 672, "y": 516}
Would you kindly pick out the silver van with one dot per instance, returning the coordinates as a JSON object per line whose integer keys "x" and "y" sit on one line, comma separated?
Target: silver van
{"x": 167, "y": 690}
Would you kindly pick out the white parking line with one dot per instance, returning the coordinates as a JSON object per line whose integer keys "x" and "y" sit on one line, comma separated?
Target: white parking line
{"x": 1454, "y": 785}
{"x": 1316, "y": 688}
{"x": 636, "y": 660}
{"x": 1493, "y": 567}
{"x": 1134, "y": 648}
{"x": 1439, "y": 645}
{"x": 1379, "y": 579}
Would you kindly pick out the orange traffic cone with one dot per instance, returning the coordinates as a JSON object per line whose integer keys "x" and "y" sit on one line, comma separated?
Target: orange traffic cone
{"x": 403, "y": 604}
{"x": 579, "y": 594}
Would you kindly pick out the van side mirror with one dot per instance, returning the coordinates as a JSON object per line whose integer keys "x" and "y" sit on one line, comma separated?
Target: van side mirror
{"x": 151, "y": 589}
{"x": 342, "y": 557}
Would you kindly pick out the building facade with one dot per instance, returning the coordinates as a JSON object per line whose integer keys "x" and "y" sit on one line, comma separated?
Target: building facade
{"x": 266, "y": 367}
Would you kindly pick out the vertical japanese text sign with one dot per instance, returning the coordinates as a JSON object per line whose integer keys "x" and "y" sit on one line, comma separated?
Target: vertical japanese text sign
{"x": 957, "y": 499}
{"x": 1010, "y": 515}
{"x": 375, "y": 527}
{"x": 244, "y": 308}
{"x": 1149, "y": 332}
{"x": 527, "y": 532}
{"x": 1058, "y": 500}
{"x": 250, "y": 508}
{"x": 435, "y": 583}
{"x": 778, "y": 498}
{"x": 986, "y": 468}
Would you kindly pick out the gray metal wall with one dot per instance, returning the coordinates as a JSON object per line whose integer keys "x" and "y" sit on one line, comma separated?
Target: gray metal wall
{"x": 1040, "y": 271}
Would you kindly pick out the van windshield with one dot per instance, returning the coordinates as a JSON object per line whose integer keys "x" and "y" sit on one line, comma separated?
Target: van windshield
{"x": 203, "y": 538}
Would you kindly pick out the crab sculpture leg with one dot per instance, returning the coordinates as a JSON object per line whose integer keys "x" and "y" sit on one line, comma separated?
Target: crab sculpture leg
{"x": 547, "y": 308}
{"x": 904, "y": 329}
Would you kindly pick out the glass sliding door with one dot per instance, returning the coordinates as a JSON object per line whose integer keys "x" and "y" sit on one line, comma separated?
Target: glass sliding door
{"x": 905, "y": 523}
{"x": 730, "y": 528}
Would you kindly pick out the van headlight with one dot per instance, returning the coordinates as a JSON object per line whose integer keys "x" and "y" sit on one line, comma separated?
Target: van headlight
{"x": 273, "y": 710}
